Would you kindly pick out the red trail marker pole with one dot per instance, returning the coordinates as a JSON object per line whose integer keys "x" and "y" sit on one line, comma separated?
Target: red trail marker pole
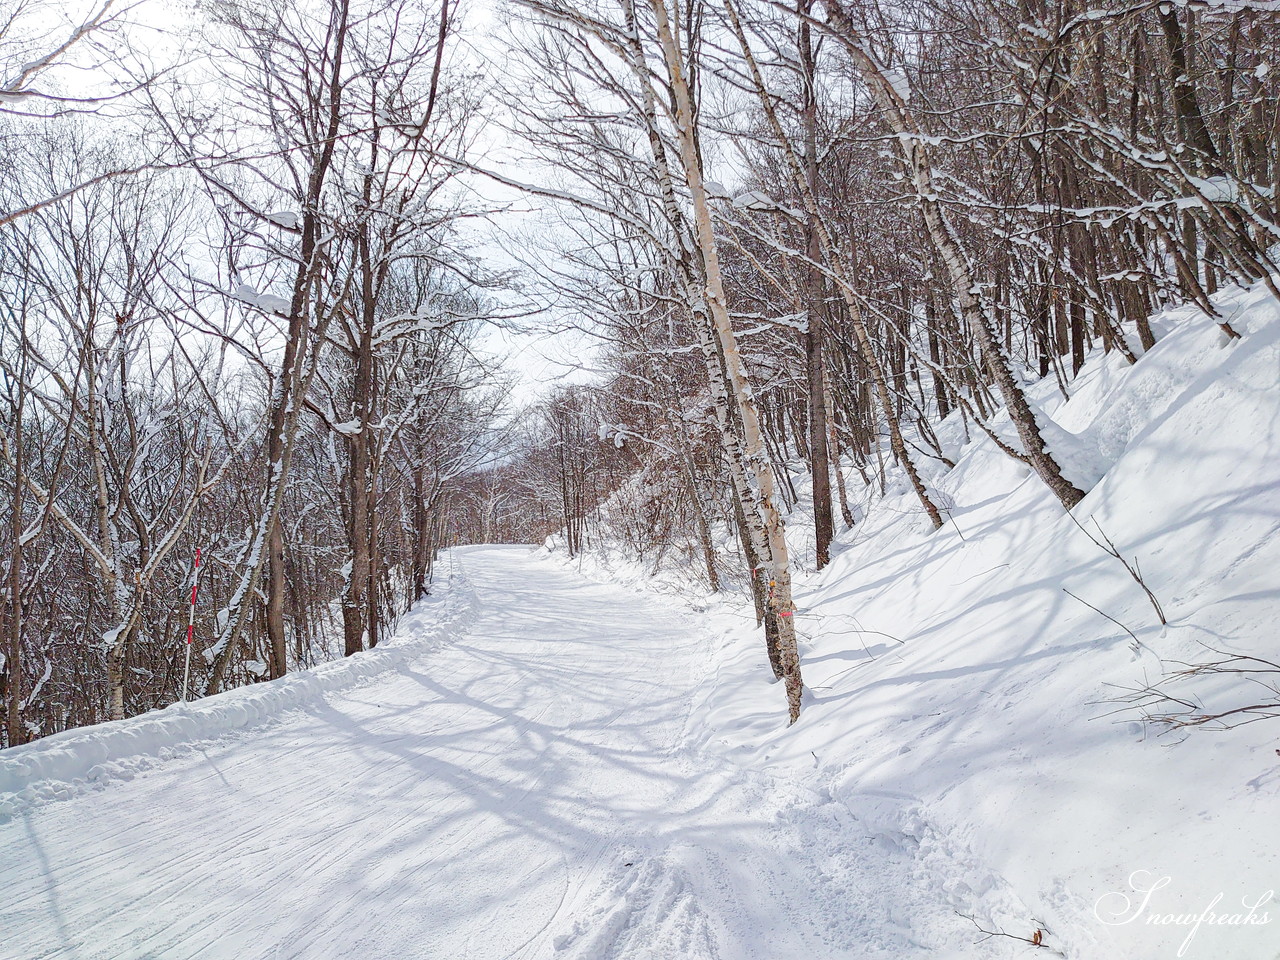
{"x": 191, "y": 624}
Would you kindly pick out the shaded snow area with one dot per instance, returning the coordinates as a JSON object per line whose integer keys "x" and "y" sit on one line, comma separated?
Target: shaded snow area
{"x": 541, "y": 765}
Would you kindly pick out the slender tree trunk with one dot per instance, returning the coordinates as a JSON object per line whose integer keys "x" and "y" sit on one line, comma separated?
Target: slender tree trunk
{"x": 815, "y": 292}
{"x": 373, "y": 616}
{"x": 747, "y": 511}
{"x": 833, "y": 445}
{"x": 355, "y": 607}
{"x": 13, "y": 589}
{"x": 780, "y": 584}
{"x": 277, "y": 589}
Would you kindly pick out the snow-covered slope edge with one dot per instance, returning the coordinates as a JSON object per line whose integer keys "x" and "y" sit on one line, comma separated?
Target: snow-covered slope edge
{"x": 65, "y": 763}
{"x": 963, "y": 705}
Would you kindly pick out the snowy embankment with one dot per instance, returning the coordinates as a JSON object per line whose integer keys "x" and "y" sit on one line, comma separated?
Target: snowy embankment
{"x": 964, "y": 705}
{"x": 65, "y": 763}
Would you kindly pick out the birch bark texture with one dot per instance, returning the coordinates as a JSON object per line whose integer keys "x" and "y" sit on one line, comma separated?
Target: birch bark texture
{"x": 780, "y": 598}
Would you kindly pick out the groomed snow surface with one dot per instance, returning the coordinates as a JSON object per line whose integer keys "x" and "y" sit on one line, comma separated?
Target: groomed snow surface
{"x": 528, "y": 788}
{"x": 543, "y": 766}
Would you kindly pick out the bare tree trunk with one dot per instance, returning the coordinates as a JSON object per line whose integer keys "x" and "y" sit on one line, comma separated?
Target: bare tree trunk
{"x": 755, "y": 543}
{"x": 815, "y": 292}
{"x": 780, "y": 585}
{"x": 13, "y": 589}
{"x": 355, "y": 605}
{"x": 277, "y": 589}
{"x": 833, "y": 445}
{"x": 373, "y": 617}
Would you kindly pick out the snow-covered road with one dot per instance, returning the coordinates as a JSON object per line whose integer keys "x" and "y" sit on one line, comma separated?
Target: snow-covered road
{"x": 532, "y": 788}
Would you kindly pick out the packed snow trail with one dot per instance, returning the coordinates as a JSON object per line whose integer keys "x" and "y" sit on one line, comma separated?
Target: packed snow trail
{"x": 529, "y": 789}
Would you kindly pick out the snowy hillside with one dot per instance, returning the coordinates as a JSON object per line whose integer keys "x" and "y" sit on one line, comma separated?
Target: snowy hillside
{"x": 965, "y": 706}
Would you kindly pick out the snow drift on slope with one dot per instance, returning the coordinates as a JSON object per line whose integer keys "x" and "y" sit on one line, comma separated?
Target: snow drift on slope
{"x": 964, "y": 702}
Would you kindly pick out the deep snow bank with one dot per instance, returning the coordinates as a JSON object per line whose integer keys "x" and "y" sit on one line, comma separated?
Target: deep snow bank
{"x": 963, "y": 705}
{"x": 61, "y": 764}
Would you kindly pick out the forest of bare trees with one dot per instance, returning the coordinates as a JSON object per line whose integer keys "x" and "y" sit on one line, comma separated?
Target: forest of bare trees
{"x": 238, "y": 312}
{"x": 263, "y": 351}
{"x": 929, "y": 205}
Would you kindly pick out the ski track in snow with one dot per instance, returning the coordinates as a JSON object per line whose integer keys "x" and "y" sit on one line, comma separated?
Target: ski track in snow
{"x": 531, "y": 789}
